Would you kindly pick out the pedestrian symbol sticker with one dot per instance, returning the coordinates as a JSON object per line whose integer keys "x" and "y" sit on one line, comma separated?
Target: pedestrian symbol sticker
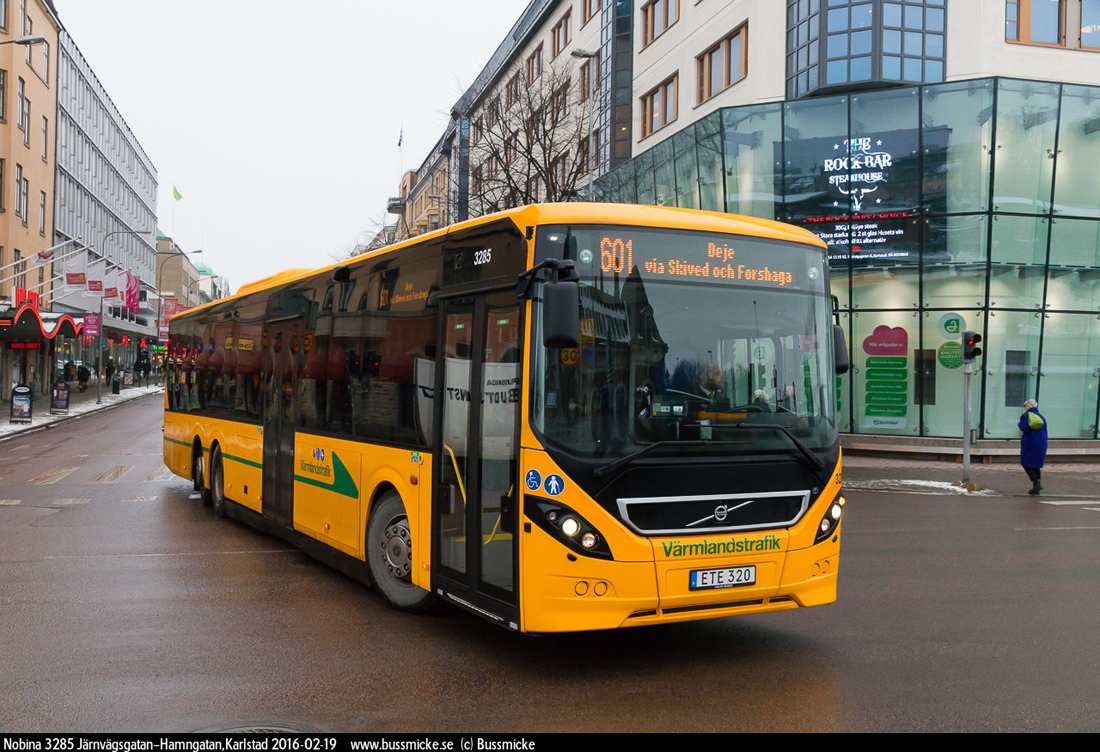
{"x": 554, "y": 485}
{"x": 533, "y": 480}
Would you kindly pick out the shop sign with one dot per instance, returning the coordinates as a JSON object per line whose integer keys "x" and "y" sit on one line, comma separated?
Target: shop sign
{"x": 91, "y": 324}
{"x": 950, "y": 355}
{"x": 886, "y": 378}
{"x": 59, "y": 404}
{"x": 23, "y": 295}
{"x": 21, "y": 408}
{"x": 952, "y": 325}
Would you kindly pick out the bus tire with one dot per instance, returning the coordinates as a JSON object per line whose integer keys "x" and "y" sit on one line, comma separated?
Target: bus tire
{"x": 389, "y": 556}
{"x": 217, "y": 482}
{"x": 198, "y": 474}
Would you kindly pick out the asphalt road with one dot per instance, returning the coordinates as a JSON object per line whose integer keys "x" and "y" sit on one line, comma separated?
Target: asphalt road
{"x": 126, "y": 606}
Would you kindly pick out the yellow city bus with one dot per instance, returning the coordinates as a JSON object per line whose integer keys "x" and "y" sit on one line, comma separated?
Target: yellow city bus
{"x": 560, "y": 417}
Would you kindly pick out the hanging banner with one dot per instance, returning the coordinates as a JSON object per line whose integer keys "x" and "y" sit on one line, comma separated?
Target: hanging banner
{"x": 133, "y": 287}
{"x": 95, "y": 281}
{"x": 110, "y": 284}
{"x": 75, "y": 271}
{"x": 43, "y": 257}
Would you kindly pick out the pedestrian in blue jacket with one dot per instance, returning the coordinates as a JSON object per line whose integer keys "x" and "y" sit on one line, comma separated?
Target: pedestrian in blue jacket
{"x": 1033, "y": 444}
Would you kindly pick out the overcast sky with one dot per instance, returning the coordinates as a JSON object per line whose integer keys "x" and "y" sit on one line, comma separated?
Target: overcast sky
{"x": 278, "y": 121}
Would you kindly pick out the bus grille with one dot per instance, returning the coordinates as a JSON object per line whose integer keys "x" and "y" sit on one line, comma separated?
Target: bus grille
{"x": 679, "y": 515}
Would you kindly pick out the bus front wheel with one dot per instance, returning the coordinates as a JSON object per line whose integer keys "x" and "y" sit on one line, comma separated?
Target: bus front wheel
{"x": 217, "y": 482}
{"x": 389, "y": 556}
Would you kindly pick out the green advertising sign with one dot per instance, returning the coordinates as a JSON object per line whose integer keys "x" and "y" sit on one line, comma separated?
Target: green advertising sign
{"x": 950, "y": 355}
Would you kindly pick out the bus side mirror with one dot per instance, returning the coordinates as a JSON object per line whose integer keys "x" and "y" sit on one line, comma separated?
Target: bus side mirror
{"x": 840, "y": 350}
{"x": 560, "y": 314}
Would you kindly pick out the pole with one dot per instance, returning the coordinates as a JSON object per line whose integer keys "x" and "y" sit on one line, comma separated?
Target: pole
{"x": 968, "y": 370}
{"x": 591, "y": 107}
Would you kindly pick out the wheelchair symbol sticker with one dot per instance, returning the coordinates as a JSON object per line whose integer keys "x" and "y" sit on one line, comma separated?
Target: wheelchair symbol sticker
{"x": 533, "y": 480}
{"x": 554, "y": 485}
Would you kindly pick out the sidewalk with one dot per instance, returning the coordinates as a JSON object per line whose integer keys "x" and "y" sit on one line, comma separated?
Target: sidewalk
{"x": 79, "y": 404}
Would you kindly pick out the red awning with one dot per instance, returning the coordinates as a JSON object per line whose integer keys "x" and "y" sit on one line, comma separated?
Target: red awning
{"x": 26, "y": 324}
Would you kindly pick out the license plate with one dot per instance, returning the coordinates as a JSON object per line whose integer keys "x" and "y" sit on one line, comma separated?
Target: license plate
{"x": 704, "y": 579}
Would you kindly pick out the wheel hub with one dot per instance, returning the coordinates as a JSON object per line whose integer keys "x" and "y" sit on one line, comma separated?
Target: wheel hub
{"x": 397, "y": 548}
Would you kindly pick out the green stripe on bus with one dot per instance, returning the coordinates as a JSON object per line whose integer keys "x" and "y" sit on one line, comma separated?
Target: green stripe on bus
{"x": 243, "y": 461}
{"x": 235, "y": 458}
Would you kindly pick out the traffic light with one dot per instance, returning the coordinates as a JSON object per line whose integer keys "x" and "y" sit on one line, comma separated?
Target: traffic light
{"x": 971, "y": 351}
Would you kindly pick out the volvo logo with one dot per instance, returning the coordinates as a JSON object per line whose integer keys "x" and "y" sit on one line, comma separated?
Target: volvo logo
{"x": 721, "y": 512}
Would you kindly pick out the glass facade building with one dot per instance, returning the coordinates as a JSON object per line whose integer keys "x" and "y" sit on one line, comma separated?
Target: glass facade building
{"x": 951, "y": 206}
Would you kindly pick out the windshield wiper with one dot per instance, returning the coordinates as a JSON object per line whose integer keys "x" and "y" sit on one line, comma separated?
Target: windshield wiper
{"x": 603, "y": 470}
{"x": 806, "y": 452}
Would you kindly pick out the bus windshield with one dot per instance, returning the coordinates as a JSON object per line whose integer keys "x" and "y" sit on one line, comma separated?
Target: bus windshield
{"x": 690, "y": 343}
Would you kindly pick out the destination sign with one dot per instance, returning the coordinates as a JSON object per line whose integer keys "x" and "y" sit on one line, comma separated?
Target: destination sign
{"x": 718, "y": 259}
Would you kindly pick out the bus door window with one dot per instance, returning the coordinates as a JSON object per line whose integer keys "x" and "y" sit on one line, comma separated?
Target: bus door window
{"x": 458, "y": 350}
{"x": 498, "y": 461}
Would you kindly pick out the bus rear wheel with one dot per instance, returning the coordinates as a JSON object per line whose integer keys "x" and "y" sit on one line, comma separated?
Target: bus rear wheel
{"x": 198, "y": 474}
{"x": 389, "y": 556}
{"x": 217, "y": 482}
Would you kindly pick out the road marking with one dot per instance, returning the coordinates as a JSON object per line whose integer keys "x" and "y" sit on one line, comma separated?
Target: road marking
{"x": 9, "y": 502}
{"x": 111, "y": 474}
{"x": 139, "y": 498}
{"x": 1058, "y": 528}
{"x": 68, "y": 502}
{"x": 162, "y": 474}
{"x": 51, "y": 476}
{"x": 189, "y": 553}
{"x": 1090, "y": 500}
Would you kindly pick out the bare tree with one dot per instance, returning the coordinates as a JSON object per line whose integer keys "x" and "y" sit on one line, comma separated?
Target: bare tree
{"x": 529, "y": 140}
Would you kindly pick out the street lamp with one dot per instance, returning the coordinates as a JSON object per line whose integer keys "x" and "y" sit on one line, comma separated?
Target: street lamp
{"x": 592, "y": 72}
{"x": 99, "y": 337}
{"x": 28, "y": 41}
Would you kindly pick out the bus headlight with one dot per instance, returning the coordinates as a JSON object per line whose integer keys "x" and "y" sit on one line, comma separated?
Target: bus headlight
{"x": 566, "y": 526}
{"x": 831, "y": 520}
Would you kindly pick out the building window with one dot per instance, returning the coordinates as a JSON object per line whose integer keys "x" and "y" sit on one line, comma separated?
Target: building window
{"x": 659, "y": 107}
{"x": 21, "y": 100}
{"x": 1035, "y": 21}
{"x": 3, "y": 14}
{"x": 24, "y": 193}
{"x": 534, "y": 65}
{"x": 42, "y": 214}
{"x": 590, "y": 67}
{"x": 559, "y": 103}
{"x": 723, "y": 65}
{"x": 20, "y": 269}
{"x": 45, "y": 138}
{"x": 3, "y": 95}
{"x": 513, "y": 90}
{"x": 1052, "y": 23}
{"x": 657, "y": 16}
{"x": 18, "y": 190}
{"x": 25, "y": 126}
{"x": 46, "y": 62}
{"x": 2, "y": 178}
{"x": 561, "y": 174}
{"x": 475, "y": 132}
{"x": 562, "y": 33}
{"x": 589, "y": 8}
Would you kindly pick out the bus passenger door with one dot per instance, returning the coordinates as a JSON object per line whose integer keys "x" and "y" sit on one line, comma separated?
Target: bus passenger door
{"x": 284, "y": 340}
{"x": 476, "y": 443}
